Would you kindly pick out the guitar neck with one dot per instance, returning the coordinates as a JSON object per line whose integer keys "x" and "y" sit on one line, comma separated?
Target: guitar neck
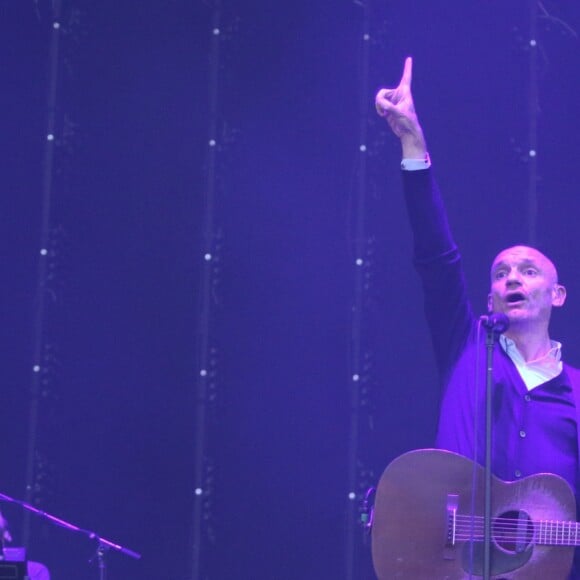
{"x": 557, "y": 533}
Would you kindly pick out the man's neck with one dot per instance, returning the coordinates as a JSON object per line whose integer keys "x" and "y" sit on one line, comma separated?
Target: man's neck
{"x": 532, "y": 345}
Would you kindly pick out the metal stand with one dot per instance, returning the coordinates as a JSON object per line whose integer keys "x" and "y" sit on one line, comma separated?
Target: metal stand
{"x": 102, "y": 563}
{"x": 103, "y": 545}
{"x": 357, "y": 374}
{"x": 494, "y": 324}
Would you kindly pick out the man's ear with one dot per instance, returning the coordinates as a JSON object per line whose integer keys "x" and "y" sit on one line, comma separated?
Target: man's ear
{"x": 558, "y": 295}
{"x": 489, "y": 302}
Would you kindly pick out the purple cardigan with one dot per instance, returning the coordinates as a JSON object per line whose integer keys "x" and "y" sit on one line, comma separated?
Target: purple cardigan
{"x": 533, "y": 431}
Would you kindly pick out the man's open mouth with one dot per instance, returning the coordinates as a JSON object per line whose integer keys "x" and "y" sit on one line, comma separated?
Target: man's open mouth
{"x": 515, "y": 297}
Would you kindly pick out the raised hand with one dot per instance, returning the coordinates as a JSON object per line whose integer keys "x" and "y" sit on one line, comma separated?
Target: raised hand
{"x": 397, "y": 107}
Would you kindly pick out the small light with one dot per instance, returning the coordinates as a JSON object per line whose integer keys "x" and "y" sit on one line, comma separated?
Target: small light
{"x": 212, "y": 143}
{"x": 355, "y": 378}
{"x": 43, "y": 251}
{"x": 352, "y": 495}
{"x": 36, "y": 368}
{"x": 533, "y": 42}
{"x": 50, "y": 137}
{"x": 363, "y": 148}
{"x": 203, "y": 373}
{"x": 366, "y": 36}
{"x": 359, "y": 262}
{"x": 533, "y": 153}
{"x": 216, "y": 31}
{"x": 56, "y": 25}
{"x": 207, "y": 257}
{"x": 198, "y": 491}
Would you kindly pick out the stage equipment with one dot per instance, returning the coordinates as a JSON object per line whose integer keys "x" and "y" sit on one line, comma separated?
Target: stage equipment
{"x": 103, "y": 545}
{"x": 206, "y": 355}
{"x": 494, "y": 325}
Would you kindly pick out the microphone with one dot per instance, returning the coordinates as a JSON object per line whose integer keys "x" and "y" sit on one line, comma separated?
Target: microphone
{"x": 495, "y": 321}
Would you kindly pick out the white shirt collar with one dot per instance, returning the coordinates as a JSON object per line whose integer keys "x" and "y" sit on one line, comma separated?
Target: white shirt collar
{"x": 538, "y": 371}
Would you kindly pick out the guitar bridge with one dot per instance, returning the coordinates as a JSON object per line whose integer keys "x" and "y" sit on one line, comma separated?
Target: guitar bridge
{"x": 451, "y": 527}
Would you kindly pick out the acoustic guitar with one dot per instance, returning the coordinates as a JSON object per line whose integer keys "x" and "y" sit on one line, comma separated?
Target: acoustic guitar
{"x": 427, "y": 523}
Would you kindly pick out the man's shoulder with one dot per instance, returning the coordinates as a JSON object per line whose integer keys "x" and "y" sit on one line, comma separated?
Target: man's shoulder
{"x": 573, "y": 375}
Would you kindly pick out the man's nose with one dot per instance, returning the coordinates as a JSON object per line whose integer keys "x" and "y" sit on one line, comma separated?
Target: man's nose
{"x": 513, "y": 278}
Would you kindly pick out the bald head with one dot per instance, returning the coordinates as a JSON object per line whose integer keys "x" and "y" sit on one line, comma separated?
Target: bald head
{"x": 524, "y": 255}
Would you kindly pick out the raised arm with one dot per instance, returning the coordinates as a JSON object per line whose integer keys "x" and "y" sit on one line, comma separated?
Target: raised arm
{"x": 436, "y": 256}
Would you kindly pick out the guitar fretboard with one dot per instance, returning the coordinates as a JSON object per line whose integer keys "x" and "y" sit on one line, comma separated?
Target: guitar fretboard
{"x": 556, "y": 533}
{"x": 510, "y": 530}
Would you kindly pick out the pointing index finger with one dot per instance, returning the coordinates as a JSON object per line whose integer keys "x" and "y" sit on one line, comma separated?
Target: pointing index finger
{"x": 407, "y": 72}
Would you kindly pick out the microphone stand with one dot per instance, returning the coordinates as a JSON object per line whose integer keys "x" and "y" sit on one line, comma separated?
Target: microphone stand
{"x": 101, "y": 551}
{"x": 103, "y": 544}
{"x": 494, "y": 324}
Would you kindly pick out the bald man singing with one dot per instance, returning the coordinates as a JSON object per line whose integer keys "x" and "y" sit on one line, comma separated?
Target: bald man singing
{"x": 536, "y": 395}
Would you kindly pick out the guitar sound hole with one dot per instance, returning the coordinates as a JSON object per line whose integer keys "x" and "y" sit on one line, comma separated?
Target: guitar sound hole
{"x": 513, "y": 531}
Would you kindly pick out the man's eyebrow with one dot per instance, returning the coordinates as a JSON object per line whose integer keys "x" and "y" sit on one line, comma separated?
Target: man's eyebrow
{"x": 525, "y": 262}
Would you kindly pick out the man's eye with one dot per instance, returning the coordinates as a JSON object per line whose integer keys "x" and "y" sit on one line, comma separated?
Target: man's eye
{"x": 500, "y": 274}
{"x": 530, "y": 272}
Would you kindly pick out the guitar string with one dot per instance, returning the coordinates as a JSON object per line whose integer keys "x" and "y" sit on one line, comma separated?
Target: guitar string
{"x": 464, "y": 520}
{"x": 507, "y": 535}
{"x": 547, "y": 531}
{"x": 543, "y": 528}
{"x": 516, "y": 539}
{"x": 554, "y": 532}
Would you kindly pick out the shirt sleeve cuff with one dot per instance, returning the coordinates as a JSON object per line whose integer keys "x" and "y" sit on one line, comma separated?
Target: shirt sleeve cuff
{"x": 416, "y": 164}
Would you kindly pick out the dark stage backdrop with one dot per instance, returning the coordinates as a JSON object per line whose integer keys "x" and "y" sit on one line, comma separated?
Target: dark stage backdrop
{"x": 129, "y": 198}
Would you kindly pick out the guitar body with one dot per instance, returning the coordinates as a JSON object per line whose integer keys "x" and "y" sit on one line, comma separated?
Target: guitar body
{"x": 416, "y": 534}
